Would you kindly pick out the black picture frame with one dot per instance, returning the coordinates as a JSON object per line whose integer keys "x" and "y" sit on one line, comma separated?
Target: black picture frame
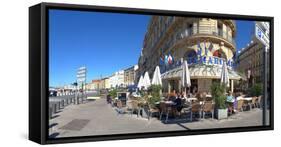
{"x": 39, "y": 69}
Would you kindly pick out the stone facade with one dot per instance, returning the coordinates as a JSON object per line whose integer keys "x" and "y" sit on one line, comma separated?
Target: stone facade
{"x": 182, "y": 36}
{"x": 130, "y": 75}
{"x": 251, "y": 61}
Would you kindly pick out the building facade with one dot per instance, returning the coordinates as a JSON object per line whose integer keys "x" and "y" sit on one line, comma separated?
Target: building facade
{"x": 96, "y": 84}
{"x": 203, "y": 42}
{"x": 130, "y": 75}
{"x": 104, "y": 83}
{"x": 250, "y": 61}
{"x": 116, "y": 79}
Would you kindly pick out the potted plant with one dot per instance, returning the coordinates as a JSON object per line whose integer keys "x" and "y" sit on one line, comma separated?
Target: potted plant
{"x": 218, "y": 90}
{"x": 155, "y": 94}
{"x": 151, "y": 99}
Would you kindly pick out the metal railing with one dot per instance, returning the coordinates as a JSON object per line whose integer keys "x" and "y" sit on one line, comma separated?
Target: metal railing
{"x": 220, "y": 33}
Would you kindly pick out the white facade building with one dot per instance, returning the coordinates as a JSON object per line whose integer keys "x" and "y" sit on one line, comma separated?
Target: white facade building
{"x": 117, "y": 79}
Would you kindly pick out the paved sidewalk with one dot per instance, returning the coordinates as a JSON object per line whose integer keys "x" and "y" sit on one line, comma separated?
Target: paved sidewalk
{"x": 99, "y": 118}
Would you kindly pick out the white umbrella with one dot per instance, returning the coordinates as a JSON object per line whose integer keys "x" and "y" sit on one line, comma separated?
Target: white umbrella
{"x": 140, "y": 83}
{"x": 156, "y": 80}
{"x": 146, "y": 80}
{"x": 185, "y": 75}
{"x": 224, "y": 75}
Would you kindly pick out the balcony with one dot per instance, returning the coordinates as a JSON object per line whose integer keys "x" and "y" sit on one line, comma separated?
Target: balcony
{"x": 220, "y": 34}
{"x": 224, "y": 35}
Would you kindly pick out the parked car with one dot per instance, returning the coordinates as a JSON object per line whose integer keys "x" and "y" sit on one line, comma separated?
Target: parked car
{"x": 53, "y": 93}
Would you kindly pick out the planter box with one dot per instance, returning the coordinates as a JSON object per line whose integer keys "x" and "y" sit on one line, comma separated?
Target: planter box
{"x": 221, "y": 113}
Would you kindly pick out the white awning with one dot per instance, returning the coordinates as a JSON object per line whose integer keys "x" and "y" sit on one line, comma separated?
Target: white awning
{"x": 203, "y": 72}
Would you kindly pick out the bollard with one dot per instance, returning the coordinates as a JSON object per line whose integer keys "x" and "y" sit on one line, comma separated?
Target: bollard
{"x": 63, "y": 103}
{"x": 50, "y": 112}
{"x": 59, "y": 104}
{"x": 55, "y": 108}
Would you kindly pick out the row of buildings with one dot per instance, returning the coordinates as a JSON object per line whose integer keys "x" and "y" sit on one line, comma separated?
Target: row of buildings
{"x": 121, "y": 78}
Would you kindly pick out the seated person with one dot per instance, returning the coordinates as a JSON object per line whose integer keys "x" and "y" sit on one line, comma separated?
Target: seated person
{"x": 231, "y": 102}
{"x": 178, "y": 104}
{"x": 230, "y": 97}
{"x": 172, "y": 96}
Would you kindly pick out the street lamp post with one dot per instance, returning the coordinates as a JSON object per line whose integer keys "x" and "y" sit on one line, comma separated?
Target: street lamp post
{"x": 262, "y": 34}
{"x": 265, "y": 87}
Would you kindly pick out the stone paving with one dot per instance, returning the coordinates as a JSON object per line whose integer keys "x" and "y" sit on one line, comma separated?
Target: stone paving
{"x": 96, "y": 117}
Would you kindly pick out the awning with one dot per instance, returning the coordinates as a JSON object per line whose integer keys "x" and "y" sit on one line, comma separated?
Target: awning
{"x": 202, "y": 72}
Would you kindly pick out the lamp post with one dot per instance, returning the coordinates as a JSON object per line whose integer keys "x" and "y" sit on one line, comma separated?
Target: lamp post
{"x": 262, "y": 34}
{"x": 265, "y": 87}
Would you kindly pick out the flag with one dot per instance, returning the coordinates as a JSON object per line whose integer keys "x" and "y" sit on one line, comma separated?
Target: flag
{"x": 170, "y": 59}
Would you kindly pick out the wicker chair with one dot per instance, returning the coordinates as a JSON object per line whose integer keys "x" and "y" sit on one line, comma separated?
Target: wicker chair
{"x": 208, "y": 107}
{"x": 254, "y": 102}
{"x": 164, "y": 110}
{"x": 120, "y": 108}
{"x": 195, "y": 108}
{"x": 240, "y": 105}
{"x": 152, "y": 110}
{"x": 132, "y": 106}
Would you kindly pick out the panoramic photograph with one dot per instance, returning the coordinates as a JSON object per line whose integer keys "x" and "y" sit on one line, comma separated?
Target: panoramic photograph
{"x": 118, "y": 73}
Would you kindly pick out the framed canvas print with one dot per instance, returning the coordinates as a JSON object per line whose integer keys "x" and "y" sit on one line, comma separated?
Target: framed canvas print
{"x": 104, "y": 73}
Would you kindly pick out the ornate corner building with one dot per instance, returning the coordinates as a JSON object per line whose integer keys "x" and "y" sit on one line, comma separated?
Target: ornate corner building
{"x": 204, "y": 42}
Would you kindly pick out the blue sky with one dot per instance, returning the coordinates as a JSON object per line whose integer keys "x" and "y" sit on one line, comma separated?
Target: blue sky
{"x": 103, "y": 42}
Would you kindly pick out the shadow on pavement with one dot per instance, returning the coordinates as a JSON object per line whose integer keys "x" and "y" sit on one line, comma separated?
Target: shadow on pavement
{"x": 55, "y": 116}
{"x": 54, "y": 135}
{"x": 52, "y": 125}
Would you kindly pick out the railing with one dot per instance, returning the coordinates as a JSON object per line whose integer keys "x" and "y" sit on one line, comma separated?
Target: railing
{"x": 220, "y": 33}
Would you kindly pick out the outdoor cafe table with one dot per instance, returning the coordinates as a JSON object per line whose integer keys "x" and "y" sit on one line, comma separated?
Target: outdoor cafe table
{"x": 166, "y": 102}
{"x": 208, "y": 95}
{"x": 190, "y": 99}
{"x": 241, "y": 98}
{"x": 248, "y": 99}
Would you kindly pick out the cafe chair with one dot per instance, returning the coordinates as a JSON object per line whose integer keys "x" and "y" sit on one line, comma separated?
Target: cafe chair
{"x": 240, "y": 105}
{"x": 152, "y": 110}
{"x": 120, "y": 108}
{"x": 208, "y": 107}
{"x": 195, "y": 108}
{"x": 254, "y": 102}
{"x": 164, "y": 110}
{"x": 132, "y": 106}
